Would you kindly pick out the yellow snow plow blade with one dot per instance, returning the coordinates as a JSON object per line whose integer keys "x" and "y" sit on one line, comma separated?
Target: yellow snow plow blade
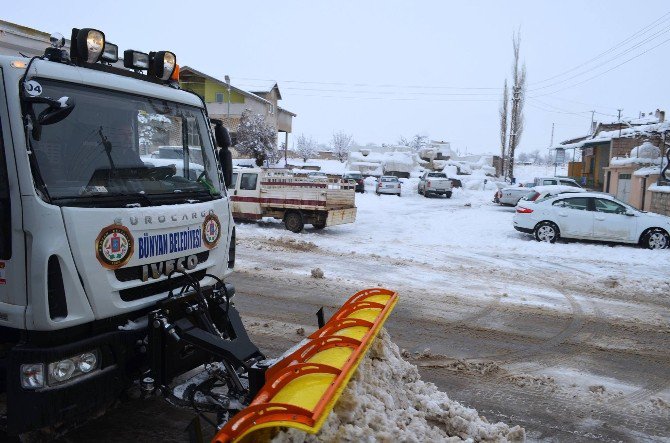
{"x": 302, "y": 388}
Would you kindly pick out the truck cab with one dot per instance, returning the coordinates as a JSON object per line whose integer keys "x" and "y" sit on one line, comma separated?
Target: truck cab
{"x": 92, "y": 235}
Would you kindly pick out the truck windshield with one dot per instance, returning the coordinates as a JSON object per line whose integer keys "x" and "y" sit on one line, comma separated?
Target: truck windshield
{"x": 107, "y": 150}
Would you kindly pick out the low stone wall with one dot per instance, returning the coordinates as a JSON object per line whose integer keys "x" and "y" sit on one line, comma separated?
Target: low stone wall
{"x": 660, "y": 202}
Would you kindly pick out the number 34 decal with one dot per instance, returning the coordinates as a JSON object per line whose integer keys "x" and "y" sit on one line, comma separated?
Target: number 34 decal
{"x": 33, "y": 88}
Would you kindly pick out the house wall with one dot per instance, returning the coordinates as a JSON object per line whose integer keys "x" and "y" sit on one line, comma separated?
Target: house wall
{"x": 640, "y": 197}
{"x": 660, "y": 202}
{"x": 213, "y": 88}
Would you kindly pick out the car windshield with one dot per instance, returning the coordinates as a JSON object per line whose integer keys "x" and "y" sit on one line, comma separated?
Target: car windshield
{"x": 102, "y": 150}
{"x": 437, "y": 175}
{"x": 354, "y": 176}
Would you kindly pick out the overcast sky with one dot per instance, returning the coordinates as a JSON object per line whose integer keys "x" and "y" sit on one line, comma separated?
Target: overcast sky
{"x": 381, "y": 69}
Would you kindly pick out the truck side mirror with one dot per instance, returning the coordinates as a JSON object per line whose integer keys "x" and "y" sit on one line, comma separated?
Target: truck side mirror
{"x": 56, "y": 111}
{"x": 226, "y": 162}
{"x": 222, "y": 135}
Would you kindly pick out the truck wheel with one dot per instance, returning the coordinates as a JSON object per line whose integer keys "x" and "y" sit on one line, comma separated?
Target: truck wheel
{"x": 294, "y": 222}
{"x": 319, "y": 225}
{"x": 448, "y": 194}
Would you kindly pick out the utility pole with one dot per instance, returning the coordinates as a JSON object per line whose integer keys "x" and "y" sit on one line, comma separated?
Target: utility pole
{"x": 592, "y": 120}
{"x": 551, "y": 143}
{"x": 619, "y": 119}
{"x": 516, "y": 92}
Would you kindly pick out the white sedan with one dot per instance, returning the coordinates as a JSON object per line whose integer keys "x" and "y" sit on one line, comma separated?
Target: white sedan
{"x": 591, "y": 216}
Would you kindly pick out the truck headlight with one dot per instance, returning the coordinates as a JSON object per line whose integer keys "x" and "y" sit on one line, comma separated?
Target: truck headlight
{"x": 163, "y": 64}
{"x": 32, "y": 376}
{"x": 90, "y": 44}
{"x": 70, "y": 368}
{"x": 62, "y": 370}
{"x": 87, "y": 362}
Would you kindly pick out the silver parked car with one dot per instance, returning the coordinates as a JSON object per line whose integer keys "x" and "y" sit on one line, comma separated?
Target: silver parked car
{"x": 388, "y": 184}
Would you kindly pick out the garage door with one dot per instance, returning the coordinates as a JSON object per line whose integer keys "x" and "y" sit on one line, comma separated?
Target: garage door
{"x": 623, "y": 188}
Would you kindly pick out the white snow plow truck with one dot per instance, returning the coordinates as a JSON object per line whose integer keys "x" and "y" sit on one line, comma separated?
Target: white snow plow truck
{"x": 113, "y": 270}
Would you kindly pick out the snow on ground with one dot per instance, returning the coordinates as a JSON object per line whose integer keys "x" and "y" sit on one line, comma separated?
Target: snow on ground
{"x": 460, "y": 259}
{"x": 466, "y": 229}
{"x": 387, "y": 401}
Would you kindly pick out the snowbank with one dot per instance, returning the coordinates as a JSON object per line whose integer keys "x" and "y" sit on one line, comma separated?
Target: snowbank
{"x": 386, "y": 400}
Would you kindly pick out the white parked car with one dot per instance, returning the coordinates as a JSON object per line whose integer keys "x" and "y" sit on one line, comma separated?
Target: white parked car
{"x": 388, "y": 184}
{"x": 539, "y": 193}
{"x": 435, "y": 183}
{"x": 591, "y": 216}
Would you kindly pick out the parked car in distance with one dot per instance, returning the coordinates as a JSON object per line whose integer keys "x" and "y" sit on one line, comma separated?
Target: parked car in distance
{"x": 388, "y": 184}
{"x": 317, "y": 176}
{"x": 591, "y": 216}
{"x": 355, "y": 177}
{"x": 511, "y": 195}
{"x": 539, "y": 193}
{"x": 435, "y": 183}
{"x": 194, "y": 169}
{"x": 565, "y": 181}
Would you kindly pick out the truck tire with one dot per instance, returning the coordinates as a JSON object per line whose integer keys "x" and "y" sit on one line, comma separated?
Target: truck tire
{"x": 319, "y": 225}
{"x": 448, "y": 194}
{"x": 293, "y": 221}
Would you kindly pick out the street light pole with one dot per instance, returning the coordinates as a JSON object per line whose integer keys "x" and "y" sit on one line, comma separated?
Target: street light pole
{"x": 228, "y": 84}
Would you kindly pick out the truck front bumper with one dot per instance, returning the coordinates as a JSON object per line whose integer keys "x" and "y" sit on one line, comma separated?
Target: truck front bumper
{"x": 74, "y": 400}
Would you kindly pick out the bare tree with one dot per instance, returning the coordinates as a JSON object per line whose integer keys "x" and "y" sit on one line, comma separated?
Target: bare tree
{"x": 255, "y": 137}
{"x": 518, "y": 100}
{"x": 418, "y": 141}
{"x": 402, "y": 141}
{"x": 503, "y": 128}
{"x": 305, "y": 147}
{"x": 341, "y": 144}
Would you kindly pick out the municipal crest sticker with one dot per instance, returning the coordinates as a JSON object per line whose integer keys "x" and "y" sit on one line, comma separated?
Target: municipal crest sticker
{"x": 211, "y": 230}
{"x": 114, "y": 246}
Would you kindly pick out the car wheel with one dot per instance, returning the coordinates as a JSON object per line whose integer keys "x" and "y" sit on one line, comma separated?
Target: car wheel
{"x": 656, "y": 239}
{"x": 377, "y": 192}
{"x": 546, "y": 232}
{"x": 398, "y": 194}
{"x": 448, "y": 194}
{"x": 293, "y": 222}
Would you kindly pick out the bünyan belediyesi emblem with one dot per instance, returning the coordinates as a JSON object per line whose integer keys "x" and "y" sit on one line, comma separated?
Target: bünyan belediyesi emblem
{"x": 211, "y": 230}
{"x": 114, "y": 246}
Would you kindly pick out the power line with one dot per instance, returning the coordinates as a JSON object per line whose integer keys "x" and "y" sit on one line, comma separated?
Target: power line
{"x": 648, "y": 39}
{"x": 605, "y": 72}
{"x": 616, "y": 46}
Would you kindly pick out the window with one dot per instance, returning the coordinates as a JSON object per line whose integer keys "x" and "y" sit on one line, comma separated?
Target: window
{"x": 218, "y": 97}
{"x": 233, "y": 181}
{"x": 271, "y": 108}
{"x": 549, "y": 182}
{"x": 248, "y": 182}
{"x": 569, "y": 183}
{"x": 193, "y": 133}
{"x": 609, "y": 206}
{"x": 437, "y": 175}
{"x": 5, "y": 209}
{"x": 579, "y": 203}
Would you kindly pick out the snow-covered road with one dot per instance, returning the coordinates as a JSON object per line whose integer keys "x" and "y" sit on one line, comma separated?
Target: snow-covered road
{"x": 515, "y": 328}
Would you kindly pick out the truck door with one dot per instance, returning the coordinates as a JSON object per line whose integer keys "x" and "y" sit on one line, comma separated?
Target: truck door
{"x": 12, "y": 262}
{"x": 246, "y": 196}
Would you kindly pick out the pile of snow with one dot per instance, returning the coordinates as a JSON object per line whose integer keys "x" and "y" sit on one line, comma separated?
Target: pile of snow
{"x": 378, "y": 163}
{"x": 386, "y": 400}
{"x": 645, "y": 150}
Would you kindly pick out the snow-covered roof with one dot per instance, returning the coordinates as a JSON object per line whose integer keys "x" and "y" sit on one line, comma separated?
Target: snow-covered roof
{"x": 214, "y": 79}
{"x": 260, "y": 86}
{"x": 659, "y": 188}
{"x": 648, "y": 170}
{"x": 626, "y": 132}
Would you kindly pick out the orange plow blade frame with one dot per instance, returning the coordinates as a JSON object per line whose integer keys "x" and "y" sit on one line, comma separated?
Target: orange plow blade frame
{"x": 302, "y": 388}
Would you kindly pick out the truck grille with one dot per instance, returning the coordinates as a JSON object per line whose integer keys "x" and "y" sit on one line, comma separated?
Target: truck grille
{"x": 144, "y": 291}
{"x": 135, "y": 272}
